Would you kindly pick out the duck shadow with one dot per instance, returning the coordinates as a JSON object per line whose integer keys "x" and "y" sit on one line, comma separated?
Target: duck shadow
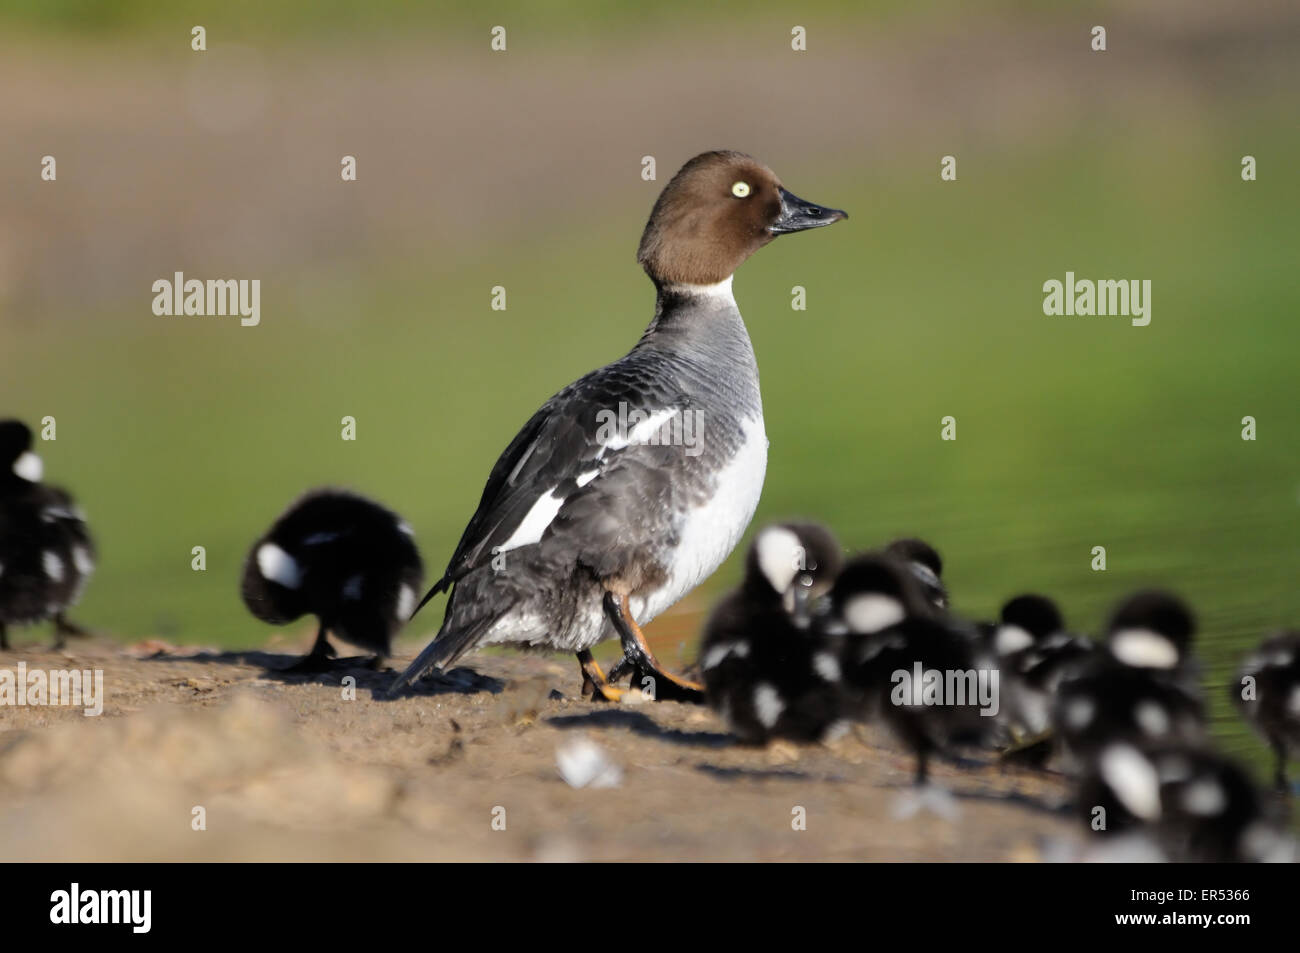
{"x": 280, "y": 667}
{"x": 731, "y": 773}
{"x": 1040, "y": 805}
{"x": 642, "y": 724}
{"x": 1019, "y": 798}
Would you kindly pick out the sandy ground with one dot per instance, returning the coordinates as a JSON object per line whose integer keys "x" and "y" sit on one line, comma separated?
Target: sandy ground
{"x": 287, "y": 767}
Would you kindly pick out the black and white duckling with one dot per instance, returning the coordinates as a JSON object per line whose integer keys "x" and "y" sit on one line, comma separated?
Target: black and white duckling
{"x": 1034, "y": 653}
{"x": 342, "y": 558}
{"x": 607, "y": 507}
{"x": 1197, "y": 805}
{"x": 1153, "y": 630}
{"x": 925, "y": 563}
{"x": 1140, "y": 688}
{"x": 766, "y": 668}
{"x": 905, "y": 664}
{"x": 1267, "y": 692}
{"x": 46, "y": 552}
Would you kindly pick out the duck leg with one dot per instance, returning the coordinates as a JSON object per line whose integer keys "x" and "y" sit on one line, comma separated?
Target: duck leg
{"x": 594, "y": 684}
{"x": 319, "y": 659}
{"x": 63, "y": 629}
{"x": 1279, "y": 771}
{"x": 922, "y": 776}
{"x": 638, "y": 658}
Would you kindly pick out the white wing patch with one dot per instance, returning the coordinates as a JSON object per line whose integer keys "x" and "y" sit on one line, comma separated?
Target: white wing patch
{"x": 717, "y": 653}
{"x": 405, "y": 603}
{"x": 81, "y": 559}
{"x": 640, "y": 432}
{"x": 534, "y": 524}
{"x": 1152, "y": 719}
{"x": 1034, "y": 711}
{"x": 827, "y": 666}
{"x": 543, "y": 512}
{"x": 767, "y": 704}
{"x": 52, "y": 565}
{"x": 1078, "y": 714}
{"x": 1133, "y": 779}
{"x": 1205, "y": 798}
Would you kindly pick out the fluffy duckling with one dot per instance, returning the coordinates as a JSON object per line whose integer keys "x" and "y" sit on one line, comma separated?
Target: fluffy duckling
{"x": 342, "y": 558}
{"x": 1267, "y": 692}
{"x": 925, "y": 563}
{"x": 1035, "y": 654}
{"x": 766, "y": 668}
{"x": 46, "y": 552}
{"x": 1141, "y": 688}
{"x": 1197, "y": 805}
{"x": 892, "y": 633}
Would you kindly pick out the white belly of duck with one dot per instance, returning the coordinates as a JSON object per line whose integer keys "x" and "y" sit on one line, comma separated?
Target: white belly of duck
{"x": 711, "y": 531}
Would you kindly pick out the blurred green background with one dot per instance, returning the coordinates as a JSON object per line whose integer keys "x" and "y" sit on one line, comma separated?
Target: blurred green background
{"x": 522, "y": 169}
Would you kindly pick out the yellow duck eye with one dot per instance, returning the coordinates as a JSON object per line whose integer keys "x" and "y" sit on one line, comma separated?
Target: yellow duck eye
{"x": 740, "y": 189}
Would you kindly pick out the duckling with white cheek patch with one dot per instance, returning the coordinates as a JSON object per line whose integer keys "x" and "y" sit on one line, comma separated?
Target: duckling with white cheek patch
{"x": 766, "y": 669}
{"x": 1153, "y": 630}
{"x": 1197, "y": 805}
{"x": 342, "y": 558}
{"x": 600, "y": 515}
{"x": 46, "y": 552}
{"x": 1035, "y": 654}
{"x": 1267, "y": 691}
{"x": 1141, "y": 688}
{"x": 891, "y": 633}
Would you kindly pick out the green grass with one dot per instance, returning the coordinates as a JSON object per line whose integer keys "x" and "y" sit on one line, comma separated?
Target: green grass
{"x": 1072, "y": 432}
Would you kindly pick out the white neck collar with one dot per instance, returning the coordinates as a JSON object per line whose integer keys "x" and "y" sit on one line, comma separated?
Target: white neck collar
{"x": 719, "y": 291}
